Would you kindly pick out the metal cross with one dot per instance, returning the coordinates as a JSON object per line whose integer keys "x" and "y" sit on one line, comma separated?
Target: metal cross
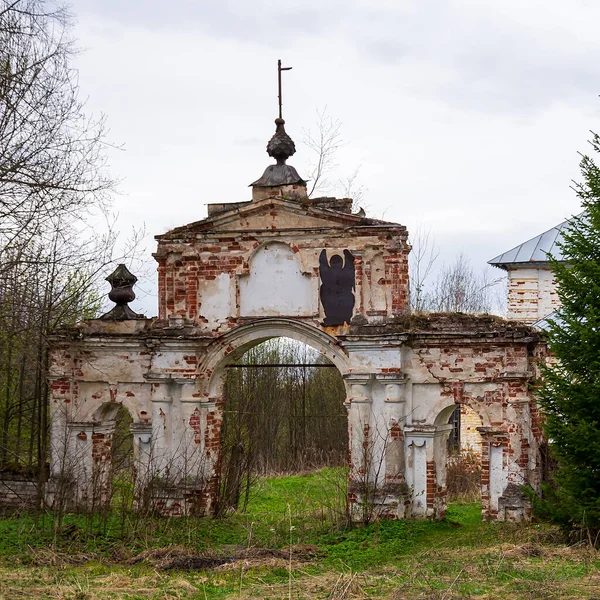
{"x": 279, "y": 69}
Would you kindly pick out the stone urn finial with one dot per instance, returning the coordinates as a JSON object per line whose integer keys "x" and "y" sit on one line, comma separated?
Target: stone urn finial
{"x": 121, "y": 293}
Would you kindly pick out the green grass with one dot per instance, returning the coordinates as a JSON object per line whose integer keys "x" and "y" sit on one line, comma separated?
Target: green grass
{"x": 458, "y": 557}
{"x": 311, "y": 504}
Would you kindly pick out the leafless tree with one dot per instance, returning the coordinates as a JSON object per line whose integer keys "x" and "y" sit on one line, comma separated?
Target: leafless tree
{"x": 57, "y": 237}
{"x": 458, "y": 288}
{"x": 351, "y": 187}
{"x": 422, "y": 259}
{"x": 51, "y": 153}
{"x": 454, "y": 287}
{"x": 324, "y": 142}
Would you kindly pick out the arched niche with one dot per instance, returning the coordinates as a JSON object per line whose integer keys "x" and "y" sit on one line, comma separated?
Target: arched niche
{"x": 107, "y": 411}
{"x": 377, "y": 289}
{"x": 99, "y": 399}
{"x": 444, "y": 414}
{"x": 276, "y": 285}
{"x": 473, "y": 403}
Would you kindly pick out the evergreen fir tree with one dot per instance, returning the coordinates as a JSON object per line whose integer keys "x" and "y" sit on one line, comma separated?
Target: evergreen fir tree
{"x": 570, "y": 392}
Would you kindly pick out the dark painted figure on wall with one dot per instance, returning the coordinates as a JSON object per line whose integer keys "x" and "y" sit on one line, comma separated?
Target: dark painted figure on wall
{"x": 337, "y": 288}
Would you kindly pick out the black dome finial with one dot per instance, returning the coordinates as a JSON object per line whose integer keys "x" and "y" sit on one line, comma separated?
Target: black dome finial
{"x": 280, "y": 147}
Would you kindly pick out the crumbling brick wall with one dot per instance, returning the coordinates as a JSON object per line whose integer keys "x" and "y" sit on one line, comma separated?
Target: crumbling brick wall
{"x": 402, "y": 372}
{"x": 532, "y": 294}
{"x": 201, "y": 262}
{"x": 19, "y": 492}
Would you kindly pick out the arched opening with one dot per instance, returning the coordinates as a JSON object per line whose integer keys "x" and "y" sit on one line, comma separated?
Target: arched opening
{"x": 113, "y": 466}
{"x": 283, "y": 413}
{"x": 463, "y": 467}
{"x": 123, "y": 465}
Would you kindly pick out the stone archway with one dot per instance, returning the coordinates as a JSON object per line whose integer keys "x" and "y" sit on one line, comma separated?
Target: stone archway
{"x": 81, "y": 451}
{"x": 399, "y": 388}
{"x": 212, "y": 374}
{"x": 283, "y": 264}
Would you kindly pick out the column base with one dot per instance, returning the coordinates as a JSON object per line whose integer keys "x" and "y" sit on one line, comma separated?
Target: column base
{"x": 370, "y": 502}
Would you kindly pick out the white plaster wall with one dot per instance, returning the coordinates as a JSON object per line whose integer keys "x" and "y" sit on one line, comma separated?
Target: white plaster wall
{"x": 440, "y": 452}
{"x": 425, "y": 405}
{"x": 380, "y": 433}
{"x": 276, "y": 286}
{"x": 93, "y": 395}
{"x": 217, "y": 299}
{"x": 490, "y": 412}
{"x": 161, "y": 434}
{"x": 369, "y": 358}
{"x": 167, "y": 359}
{"x": 393, "y": 412}
{"x": 517, "y": 412}
{"x": 114, "y": 365}
{"x": 59, "y": 439}
{"x": 374, "y": 291}
{"x": 417, "y": 475}
{"x": 359, "y": 417}
{"x": 497, "y": 479}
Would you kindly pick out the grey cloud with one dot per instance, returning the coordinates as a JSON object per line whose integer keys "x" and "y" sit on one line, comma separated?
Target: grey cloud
{"x": 259, "y": 21}
{"x": 250, "y": 142}
{"x": 466, "y": 58}
{"x": 487, "y": 65}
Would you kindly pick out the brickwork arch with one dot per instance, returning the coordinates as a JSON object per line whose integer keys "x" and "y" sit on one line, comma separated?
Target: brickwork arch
{"x": 107, "y": 411}
{"x": 231, "y": 346}
{"x": 246, "y": 265}
{"x": 212, "y": 376}
{"x": 447, "y": 402}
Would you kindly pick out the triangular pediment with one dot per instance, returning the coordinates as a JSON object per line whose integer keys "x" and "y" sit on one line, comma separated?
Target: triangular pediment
{"x": 275, "y": 214}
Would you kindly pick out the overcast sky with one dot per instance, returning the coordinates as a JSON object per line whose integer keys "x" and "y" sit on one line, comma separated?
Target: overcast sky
{"x": 465, "y": 116}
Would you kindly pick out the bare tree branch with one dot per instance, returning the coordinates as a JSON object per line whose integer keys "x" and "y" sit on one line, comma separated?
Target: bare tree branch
{"x": 57, "y": 235}
{"x": 422, "y": 259}
{"x": 324, "y": 143}
{"x": 458, "y": 288}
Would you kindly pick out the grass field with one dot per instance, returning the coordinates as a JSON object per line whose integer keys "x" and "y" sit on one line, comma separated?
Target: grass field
{"x": 292, "y": 543}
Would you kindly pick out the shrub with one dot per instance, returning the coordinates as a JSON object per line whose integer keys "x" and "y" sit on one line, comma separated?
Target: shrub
{"x": 463, "y": 476}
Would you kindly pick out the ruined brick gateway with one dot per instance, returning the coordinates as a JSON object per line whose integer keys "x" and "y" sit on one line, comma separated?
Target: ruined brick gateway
{"x": 286, "y": 265}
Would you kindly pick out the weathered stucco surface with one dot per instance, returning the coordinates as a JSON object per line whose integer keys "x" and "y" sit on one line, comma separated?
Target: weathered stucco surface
{"x": 532, "y": 293}
{"x": 262, "y": 260}
{"x": 251, "y": 273}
